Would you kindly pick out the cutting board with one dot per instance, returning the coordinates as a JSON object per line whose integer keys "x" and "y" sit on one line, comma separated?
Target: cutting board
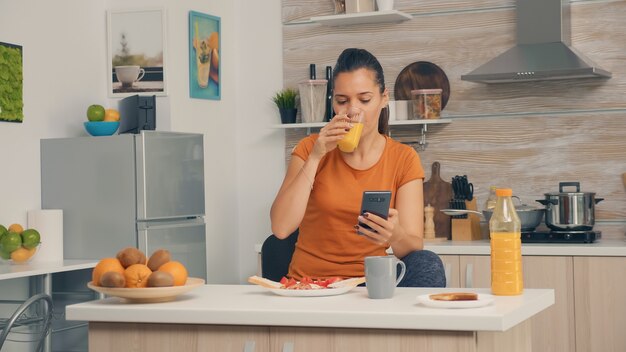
{"x": 438, "y": 193}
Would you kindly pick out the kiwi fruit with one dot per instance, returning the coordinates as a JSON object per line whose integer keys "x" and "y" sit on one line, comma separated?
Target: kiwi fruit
{"x": 160, "y": 279}
{"x": 112, "y": 279}
{"x": 158, "y": 258}
{"x": 131, "y": 255}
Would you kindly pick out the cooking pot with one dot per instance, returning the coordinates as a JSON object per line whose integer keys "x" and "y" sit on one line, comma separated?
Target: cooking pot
{"x": 530, "y": 217}
{"x": 570, "y": 211}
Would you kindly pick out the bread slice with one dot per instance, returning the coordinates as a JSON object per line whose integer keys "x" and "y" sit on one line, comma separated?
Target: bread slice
{"x": 454, "y": 296}
{"x": 257, "y": 280}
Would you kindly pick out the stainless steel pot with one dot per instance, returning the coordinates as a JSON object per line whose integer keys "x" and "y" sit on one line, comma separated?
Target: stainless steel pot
{"x": 570, "y": 211}
{"x": 530, "y": 217}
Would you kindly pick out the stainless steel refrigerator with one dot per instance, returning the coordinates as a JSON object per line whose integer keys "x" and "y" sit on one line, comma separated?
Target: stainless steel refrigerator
{"x": 144, "y": 190}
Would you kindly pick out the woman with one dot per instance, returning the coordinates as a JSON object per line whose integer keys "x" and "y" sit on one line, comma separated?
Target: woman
{"x": 322, "y": 190}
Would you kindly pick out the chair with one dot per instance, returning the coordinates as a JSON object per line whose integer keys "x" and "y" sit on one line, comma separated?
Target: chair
{"x": 276, "y": 255}
{"x": 31, "y": 322}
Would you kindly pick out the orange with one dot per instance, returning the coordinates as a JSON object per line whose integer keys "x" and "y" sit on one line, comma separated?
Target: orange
{"x": 22, "y": 254}
{"x": 137, "y": 275}
{"x": 17, "y": 228}
{"x": 103, "y": 266}
{"x": 178, "y": 271}
{"x": 111, "y": 115}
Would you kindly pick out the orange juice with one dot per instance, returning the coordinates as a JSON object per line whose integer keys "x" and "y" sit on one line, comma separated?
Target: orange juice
{"x": 506, "y": 263}
{"x": 351, "y": 140}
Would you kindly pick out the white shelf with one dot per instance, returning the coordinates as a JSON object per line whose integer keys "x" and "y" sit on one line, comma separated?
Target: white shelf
{"x": 391, "y": 123}
{"x": 391, "y": 16}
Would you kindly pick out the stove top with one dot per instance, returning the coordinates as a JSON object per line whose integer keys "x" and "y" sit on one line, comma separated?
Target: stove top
{"x": 560, "y": 236}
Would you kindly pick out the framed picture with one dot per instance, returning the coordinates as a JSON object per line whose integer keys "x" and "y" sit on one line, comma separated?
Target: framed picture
{"x": 136, "y": 52}
{"x": 204, "y": 56}
{"x": 11, "y": 83}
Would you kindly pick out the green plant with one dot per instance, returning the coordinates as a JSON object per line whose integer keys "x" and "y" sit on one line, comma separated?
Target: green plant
{"x": 286, "y": 98}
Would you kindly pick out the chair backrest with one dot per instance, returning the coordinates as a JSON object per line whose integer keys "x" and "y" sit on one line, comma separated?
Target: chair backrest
{"x": 276, "y": 255}
{"x": 31, "y": 321}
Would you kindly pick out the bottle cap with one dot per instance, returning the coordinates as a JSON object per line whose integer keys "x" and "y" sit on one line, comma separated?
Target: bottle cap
{"x": 504, "y": 192}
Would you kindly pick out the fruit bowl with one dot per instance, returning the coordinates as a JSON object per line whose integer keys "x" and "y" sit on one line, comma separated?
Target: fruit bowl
{"x": 149, "y": 294}
{"x": 21, "y": 255}
{"x": 101, "y": 128}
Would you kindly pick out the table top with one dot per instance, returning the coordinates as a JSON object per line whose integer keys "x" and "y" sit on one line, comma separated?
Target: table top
{"x": 254, "y": 305}
{"x": 10, "y": 270}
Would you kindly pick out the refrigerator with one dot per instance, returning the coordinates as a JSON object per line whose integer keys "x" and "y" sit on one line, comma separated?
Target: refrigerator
{"x": 142, "y": 190}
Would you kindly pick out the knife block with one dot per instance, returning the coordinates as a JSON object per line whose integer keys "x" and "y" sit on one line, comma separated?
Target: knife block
{"x": 467, "y": 229}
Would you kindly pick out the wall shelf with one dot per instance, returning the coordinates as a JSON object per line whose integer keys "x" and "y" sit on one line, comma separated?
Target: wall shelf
{"x": 391, "y": 16}
{"x": 423, "y": 123}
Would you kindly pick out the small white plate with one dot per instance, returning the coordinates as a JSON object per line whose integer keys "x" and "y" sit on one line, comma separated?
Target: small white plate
{"x": 149, "y": 294}
{"x": 311, "y": 293}
{"x": 483, "y": 300}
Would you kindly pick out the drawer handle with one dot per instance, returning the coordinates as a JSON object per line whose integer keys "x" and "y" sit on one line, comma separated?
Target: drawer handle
{"x": 249, "y": 346}
{"x": 469, "y": 275}
{"x": 288, "y": 347}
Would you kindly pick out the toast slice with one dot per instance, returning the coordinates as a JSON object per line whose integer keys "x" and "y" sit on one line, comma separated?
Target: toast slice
{"x": 454, "y": 296}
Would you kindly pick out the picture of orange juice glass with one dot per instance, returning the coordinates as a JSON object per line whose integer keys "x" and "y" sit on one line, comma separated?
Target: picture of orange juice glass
{"x": 351, "y": 140}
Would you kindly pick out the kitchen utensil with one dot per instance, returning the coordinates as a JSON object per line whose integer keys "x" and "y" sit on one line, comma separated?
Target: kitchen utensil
{"x": 454, "y": 212}
{"x": 421, "y": 75}
{"x": 530, "y": 217}
{"x": 462, "y": 188}
{"x": 570, "y": 210}
{"x": 438, "y": 193}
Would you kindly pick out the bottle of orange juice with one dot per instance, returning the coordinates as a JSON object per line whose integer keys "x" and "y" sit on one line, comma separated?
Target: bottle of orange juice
{"x": 506, "y": 247}
{"x": 351, "y": 140}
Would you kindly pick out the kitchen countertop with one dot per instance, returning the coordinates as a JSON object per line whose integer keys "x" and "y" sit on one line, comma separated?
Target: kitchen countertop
{"x": 600, "y": 248}
{"x": 254, "y": 305}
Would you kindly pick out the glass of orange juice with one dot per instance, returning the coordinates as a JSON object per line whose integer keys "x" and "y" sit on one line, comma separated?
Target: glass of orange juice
{"x": 351, "y": 140}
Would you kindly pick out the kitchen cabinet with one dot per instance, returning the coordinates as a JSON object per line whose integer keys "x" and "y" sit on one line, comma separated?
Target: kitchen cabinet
{"x": 600, "y": 303}
{"x": 552, "y": 330}
{"x": 177, "y": 337}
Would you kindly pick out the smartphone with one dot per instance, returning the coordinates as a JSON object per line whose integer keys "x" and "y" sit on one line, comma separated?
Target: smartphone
{"x": 375, "y": 202}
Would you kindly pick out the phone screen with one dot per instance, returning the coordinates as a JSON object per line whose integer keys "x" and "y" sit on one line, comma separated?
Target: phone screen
{"x": 375, "y": 202}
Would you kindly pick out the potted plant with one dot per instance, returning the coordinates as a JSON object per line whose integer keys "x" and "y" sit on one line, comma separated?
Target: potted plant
{"x": 285, "y": 100}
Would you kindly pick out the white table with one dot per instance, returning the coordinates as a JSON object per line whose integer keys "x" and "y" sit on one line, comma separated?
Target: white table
{"x": 247, "y": 305}
{"x": 42, "y": 273}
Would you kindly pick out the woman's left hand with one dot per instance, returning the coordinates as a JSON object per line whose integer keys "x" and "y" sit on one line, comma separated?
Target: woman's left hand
{"x": 382, "y": 231}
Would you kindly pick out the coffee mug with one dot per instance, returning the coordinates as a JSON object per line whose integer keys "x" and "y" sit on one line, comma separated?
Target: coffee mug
{"x": 384, "y": 5}
{"x": 381, "y": 276}
{"x": 402, "y": 109}
{"x": 127, "y": 75}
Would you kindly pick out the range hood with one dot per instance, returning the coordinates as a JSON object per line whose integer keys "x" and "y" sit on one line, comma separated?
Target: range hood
{"x": 543, "y": 50}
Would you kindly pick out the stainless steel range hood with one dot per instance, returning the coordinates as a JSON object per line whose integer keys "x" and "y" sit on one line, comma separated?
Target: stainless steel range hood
{"x": 543, "y": 50}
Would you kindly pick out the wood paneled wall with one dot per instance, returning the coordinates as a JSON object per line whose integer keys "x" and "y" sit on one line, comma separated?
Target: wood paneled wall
{"x": 528, "y": 136}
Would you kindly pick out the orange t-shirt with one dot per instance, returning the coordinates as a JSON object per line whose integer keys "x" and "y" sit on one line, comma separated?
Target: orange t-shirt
{"x": 327, "y": 244}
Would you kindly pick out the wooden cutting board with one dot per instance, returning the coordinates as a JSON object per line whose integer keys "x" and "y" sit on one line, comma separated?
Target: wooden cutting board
{"x": 438, "y": 193}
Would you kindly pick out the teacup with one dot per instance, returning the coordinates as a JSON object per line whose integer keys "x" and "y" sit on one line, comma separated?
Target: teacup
{"x": 381, "y": 275}
{"x": 127, "y": 75}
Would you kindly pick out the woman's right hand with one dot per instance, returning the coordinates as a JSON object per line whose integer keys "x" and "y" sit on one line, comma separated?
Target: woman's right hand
{"x": 330, "y": 134}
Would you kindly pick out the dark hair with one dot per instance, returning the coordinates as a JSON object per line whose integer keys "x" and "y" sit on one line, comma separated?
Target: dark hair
{"x": 353, "y": 59}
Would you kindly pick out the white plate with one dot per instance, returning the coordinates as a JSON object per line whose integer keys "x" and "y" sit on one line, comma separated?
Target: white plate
{"x": 149, "y": 294}
{"x": 311, "y": 293}
{"x": 483, "y": 300}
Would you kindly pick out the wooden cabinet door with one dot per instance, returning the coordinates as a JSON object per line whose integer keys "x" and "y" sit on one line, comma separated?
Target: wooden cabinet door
{"x": 600, "y": 302}
{"x": 553, "y": 329}
{"x": 451, "y": 265}
{"x": 475, "y": 271}
{"x": 287, "y": 339}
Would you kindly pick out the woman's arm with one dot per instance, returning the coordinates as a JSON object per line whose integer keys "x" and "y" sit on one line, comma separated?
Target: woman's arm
{"x": 290, "y": 203}
{"x": 404, "y": 228}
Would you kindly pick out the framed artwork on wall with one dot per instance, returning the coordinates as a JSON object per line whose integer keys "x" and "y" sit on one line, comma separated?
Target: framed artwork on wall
{"x": 11, "y": 84}
{"x": 136, "y": 52}
{"x": 204, "y": 56}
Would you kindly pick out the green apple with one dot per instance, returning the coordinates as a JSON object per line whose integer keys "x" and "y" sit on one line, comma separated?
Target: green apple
{"x": 95, "y": 112}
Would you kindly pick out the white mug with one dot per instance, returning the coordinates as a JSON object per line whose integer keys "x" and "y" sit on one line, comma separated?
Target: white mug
{"x": 402, "y": 109}
{"x": 127, "y": 75}
{"x": 381, "y": 276}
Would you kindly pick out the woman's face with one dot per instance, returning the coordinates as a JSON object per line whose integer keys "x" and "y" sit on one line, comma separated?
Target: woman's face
{"x": 359, "y": 89}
